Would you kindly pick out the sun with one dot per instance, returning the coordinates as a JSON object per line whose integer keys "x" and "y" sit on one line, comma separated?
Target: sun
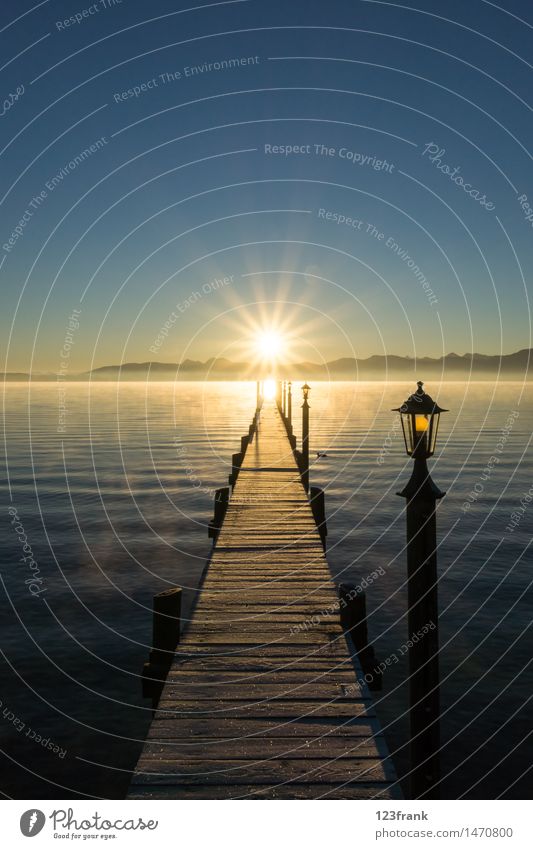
{"x": 270, "y": 345}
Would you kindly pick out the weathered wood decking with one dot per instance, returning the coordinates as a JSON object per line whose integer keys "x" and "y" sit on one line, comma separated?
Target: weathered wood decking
{"x": 255, "y": 706}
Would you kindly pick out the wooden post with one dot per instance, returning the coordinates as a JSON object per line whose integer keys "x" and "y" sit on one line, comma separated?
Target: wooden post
{"x": 244, "y": 444}
{"x": 165, "y": 638}
{"x": 353, "y": 620}
{"x": 423, "y": 631}
{"x": 166, "y": 626}
{"x": 258, "y": 397}
{"x": 236, "y": 460}
{"x": 278, "y": 394}
{"x": 288, "y": 419}
{"x": 353, "y": 615}
{"x": 221, "y": 505}
{"x": 318, "y": 506}
{"x": 305, "y": 438}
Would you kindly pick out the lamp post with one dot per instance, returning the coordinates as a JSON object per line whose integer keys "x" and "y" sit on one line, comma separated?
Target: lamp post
{"x": 305, "y": 437}
{"x": 420, "y": 420}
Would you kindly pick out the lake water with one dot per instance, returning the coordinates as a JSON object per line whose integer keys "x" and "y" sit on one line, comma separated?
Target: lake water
{"x": 115, "y": 509}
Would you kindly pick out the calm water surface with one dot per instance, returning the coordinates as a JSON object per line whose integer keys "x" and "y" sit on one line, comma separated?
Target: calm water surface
{"x": 115, "y": 509}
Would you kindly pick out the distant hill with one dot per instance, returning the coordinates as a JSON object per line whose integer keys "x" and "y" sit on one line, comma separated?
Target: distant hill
{"x": 19, "y": 376}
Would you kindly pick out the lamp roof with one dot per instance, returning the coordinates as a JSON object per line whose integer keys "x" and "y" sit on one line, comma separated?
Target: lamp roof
{"x": 420, "y": 403}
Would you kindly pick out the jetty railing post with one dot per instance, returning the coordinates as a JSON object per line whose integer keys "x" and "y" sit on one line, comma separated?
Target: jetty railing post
{"x": 166, "y": 626}
{"x": 165, "y": 638}
{"x": 220, "y": 506}
{"x": 352, "y": 602}
{"x": 278, "y": 395}
{"x": 236, "y": 460}
{"x": 318, "y": 506}
{"x": 305, "y": 437}
{"x": 420, "y": 417}
{"x": 288, "y": 417}
{"x": 258, "y": 397}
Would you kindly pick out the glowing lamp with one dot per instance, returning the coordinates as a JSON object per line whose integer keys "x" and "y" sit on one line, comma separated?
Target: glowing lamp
{"x": 420, "y": 416}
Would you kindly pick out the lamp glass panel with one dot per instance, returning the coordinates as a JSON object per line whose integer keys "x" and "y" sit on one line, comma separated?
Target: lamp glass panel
{"x": 406, "y": 428}
{"x": 433, "y": 433}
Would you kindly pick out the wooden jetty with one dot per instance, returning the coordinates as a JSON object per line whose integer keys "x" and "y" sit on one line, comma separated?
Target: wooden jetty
{"x": 263, "y": 697}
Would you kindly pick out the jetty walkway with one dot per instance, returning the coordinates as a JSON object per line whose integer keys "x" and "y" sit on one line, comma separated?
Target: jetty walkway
{"x": 263, "y": 698}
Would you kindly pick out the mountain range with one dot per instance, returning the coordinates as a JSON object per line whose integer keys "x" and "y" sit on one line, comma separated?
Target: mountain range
{"x": 377, "y": 367}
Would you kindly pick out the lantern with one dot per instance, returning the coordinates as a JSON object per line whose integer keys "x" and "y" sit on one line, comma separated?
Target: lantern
{"x": 420, "y": 416}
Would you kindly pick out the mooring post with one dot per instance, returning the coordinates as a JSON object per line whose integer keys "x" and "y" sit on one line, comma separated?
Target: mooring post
{"x": 305, "y": 437}
{"x": 318, "y": 506}
{"x": 290, "y": 431}
{"x": 165, "y": 638}
{"x": 236, "y": 460}
{"x": 353, "y": 619}
{"x": 166, "y": 626}
{"x": 220, "y": 506}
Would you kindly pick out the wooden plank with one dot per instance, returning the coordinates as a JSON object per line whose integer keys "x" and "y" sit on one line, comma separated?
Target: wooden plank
{"x": 263, "y": 663}
{"x": 304, "y": 748}
{"x": 213, "y": 771}
{"x": 238, "y": 729}
{"x": 247, "y": 645}
{"x": 287, "y": 790}
{"x": 219, "y": 677}
{"x": 291, "y": 625}
{"x": 253, "y": 691}
{"x": 276, "y": 639}
{"x": 275, "y": 709}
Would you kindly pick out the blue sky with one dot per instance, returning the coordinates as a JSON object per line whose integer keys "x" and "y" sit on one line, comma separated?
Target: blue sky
{"x": 180, "y": 192}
